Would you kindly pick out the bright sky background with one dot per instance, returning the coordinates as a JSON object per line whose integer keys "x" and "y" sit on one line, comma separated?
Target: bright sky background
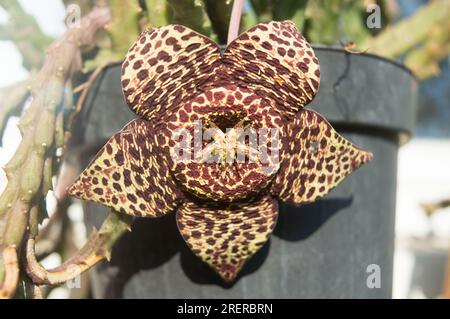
{"x": 50, "y": 16}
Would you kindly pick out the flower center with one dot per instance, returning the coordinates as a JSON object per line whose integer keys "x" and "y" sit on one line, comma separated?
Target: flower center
{"x": 225, "y": 122}
{"x": 229, "y": 144}
{"x": 231, "y": 136}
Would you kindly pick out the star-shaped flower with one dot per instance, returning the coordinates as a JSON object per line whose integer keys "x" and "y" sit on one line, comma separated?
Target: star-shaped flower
{"x": 174, "y": 79}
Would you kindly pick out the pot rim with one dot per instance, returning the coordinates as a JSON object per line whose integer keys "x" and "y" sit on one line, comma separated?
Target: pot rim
{"x": 324, "y": 47}
{"x": 401, "y": 127}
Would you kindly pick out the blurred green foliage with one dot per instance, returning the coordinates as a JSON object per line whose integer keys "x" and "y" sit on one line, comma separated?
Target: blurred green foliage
{"x": 422, "y": 40}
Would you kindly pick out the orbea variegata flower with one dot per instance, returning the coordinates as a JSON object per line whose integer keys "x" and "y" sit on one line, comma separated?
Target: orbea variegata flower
{"x": 172, "y": 78}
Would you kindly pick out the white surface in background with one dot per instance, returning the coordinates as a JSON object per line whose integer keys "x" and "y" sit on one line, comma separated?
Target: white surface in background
{"x": 423, "y": 177}
{"x": 11, "y": 69}
{"x": 49, "y": 14}
{"x": 11, "y": 140}
{"x": 50, "y": 17}
{"x": 403, "y": 270}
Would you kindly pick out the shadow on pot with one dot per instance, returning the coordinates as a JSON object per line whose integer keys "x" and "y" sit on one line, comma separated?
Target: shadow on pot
{"x": 299, "y": 222}
{"x": 155, "y": 241}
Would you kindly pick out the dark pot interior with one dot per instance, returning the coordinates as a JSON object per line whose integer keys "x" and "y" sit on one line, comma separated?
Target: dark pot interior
{"x": 321, "y": 250}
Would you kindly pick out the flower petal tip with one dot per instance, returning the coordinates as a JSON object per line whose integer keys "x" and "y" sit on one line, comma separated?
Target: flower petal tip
{"x": 71, "y": 190}
{"x": 368, "y": 157}
{"x": 228, "y": 272}
{"x": 362, "y": 157}
{"x": 75, "y": 190}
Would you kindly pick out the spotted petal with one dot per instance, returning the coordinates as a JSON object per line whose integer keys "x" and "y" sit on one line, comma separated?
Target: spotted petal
{"x": 276, "y": 60}
{"x": 130, "y": 174}
{"x": 314, "y": 159}
{"x": 165, "y": 67}
{"x": 226, "y": 236}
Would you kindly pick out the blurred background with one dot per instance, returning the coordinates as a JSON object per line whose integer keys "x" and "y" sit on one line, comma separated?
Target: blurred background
{"x": 421, "y": 267}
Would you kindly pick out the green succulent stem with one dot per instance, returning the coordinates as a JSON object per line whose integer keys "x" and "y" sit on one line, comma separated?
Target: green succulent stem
{"x": 26, "y": 169}
{"x": 97, "y": 247}
{"x": 125, "y": 15}
{"x": 191, "y": 13}
{"x": 293, "y": 10}
{"x": 9, "y": 272}
{"x": 424, "y": 60}
{"x": 157, "y": 13}
{"x": 423, "y": 38}
{"x": 219, "y": 12}
{"x": 406, "y": 34}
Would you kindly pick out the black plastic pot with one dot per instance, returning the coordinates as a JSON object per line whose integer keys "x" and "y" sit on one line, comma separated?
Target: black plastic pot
{"x": 321, "y": 250}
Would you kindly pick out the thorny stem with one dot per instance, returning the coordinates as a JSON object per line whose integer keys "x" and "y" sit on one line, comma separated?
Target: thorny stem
{"x": 431, "y": 208}
{"x": 49, "y": 237}
{"x": 96, "y": 248}
{"x": 426, "y": 41}
{"x": 26, "y": 169}
{"x": 235, "y": 20}
{"x": 32, "y": 291}
{"x": 8, "y": 257}
{"x": 85, "y": 89}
